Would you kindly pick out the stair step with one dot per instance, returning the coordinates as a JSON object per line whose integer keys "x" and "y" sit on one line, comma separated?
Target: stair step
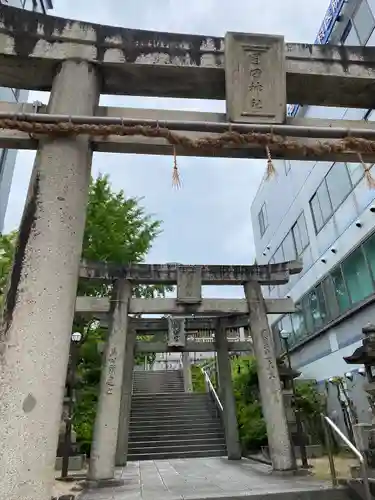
{"x": 176, "y": 443}
{"x": 141, "y": 436}
{"x": 199, "y": 428}
{"x": 169, "y": 410}
{"x": 155, "y": 390}
{"x": 158, "y": 382}
{"x": 177, "y": 454}
{"x": 150, "y": 392}
{"x": 146, "y": 383}
{"x": 170, "y": 405}
{"x": 167, "y": 422}
{"x": 178, "y": 376}
{"x": 178, "y": 449}
{"x": 164, "y": 380}
{"x": 167, "y": 396}
{"x": 159, "y": 373}
{"x": 203, "y": 412}
{"x": 158, "y": 376}
{"x": 160, "y": 406}
{"x": 182, "y": 394}
{"x": 181, "y": 428}
{"x": 173, "y": 404}
{"x": 170, "y": 419}
{"x": 159, "y": 386}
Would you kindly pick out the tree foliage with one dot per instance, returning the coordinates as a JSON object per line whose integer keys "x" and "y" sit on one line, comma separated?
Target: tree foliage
{"x": 118, "y": 230}
{"x": 197, "y": 379}
{"x": 7, "y": 243}
{"x": 251, "y": 424}
{"x": 252, "y": 427}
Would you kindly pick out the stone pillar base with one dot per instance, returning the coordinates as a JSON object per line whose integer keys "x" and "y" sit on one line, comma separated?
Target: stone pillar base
{"x": 291, "y": 472}
{"x": 103, "y": 483}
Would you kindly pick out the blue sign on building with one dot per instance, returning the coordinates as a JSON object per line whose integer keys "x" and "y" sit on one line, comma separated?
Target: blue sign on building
{"x": 322, "y": 37}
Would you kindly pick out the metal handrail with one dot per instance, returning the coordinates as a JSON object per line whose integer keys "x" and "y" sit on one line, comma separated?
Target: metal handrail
{"x": 211, "y": 388}
{"x": 350, "y": 445}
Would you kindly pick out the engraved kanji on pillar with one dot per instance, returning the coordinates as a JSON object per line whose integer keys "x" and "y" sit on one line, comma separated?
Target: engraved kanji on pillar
{"x": 255, "y": 78}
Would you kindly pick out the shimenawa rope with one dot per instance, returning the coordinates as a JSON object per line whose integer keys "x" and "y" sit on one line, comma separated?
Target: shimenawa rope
{"x": 271, "y": 142}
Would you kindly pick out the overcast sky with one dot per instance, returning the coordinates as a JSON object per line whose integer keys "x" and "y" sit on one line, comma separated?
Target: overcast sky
{"x": 208, "y": 220}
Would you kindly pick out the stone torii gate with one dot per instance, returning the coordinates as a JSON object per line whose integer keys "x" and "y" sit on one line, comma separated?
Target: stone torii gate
{"x": 110, "y": 427}
{"x": 179, "y": 334}
{"x": 256, "y": 74}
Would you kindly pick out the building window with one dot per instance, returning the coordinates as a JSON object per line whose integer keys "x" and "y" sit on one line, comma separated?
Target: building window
{"x": 345, "y": 286}
{"x": 330, "y": 194}
{"x": 305, "y": 303}
{"x": 263, "y": 219}
{"x": 357, "y": 276}
{"x": 279, "y": 255}
{"x": 294, "y": 243}
{"x": 364, "y": 22}
{"x": 321, "y": 206}
{"x": 298, "y": 322}
{"x": 287, "y": 166}
{"x": 345, "y": 34}
{"x": 2, "y": 161}
{"x": 340, "y": 290}
{"x": 277, "y": 338}
{"x": 356, "y": 172}
{"x": 300, "y": 234}
{"x": 16, "y": 93}
{"x": 317, "y": 308}
{"x": 369, "y": 248}
{"x": 371, "y": 4}
{"x": 338, "y": 184}
{"x": 286, "y": 325}
{"x": 289, "y": 248}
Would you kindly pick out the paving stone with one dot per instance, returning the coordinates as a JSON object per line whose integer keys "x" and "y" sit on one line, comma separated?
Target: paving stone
{"x": 207, "y": 478}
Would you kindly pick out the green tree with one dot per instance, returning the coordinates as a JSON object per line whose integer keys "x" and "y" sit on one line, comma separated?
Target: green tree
{"x": 7, "y": 243}
{"x": 118, "y": 230}
{"x": 251, "y": 424}
{"x": 197, "y": 379}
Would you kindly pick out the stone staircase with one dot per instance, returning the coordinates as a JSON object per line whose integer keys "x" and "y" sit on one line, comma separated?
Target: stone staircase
{"x": 158, "y": 381}
{"x": 167, "y": 422}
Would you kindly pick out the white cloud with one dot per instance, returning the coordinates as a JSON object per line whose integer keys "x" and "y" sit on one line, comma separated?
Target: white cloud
{"x": 208, "y": 220}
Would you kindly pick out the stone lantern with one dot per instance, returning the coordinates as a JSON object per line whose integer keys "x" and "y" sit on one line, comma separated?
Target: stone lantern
{"x": 287, "y": 375}
{"x": 365, "y": 355}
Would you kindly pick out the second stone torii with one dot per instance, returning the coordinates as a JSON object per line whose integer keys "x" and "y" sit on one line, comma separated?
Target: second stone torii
{"x": 189, "y": 280}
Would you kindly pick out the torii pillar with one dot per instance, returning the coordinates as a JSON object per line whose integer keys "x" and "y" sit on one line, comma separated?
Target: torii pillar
{"x": 104, "y": 445}
{"x": 36, "y": 325}
{"x": 281, "y": 451}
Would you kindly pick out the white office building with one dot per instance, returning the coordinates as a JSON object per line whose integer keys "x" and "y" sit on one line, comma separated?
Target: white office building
{"x": 8, "y": 156}
{"x": 324, "y": 214}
